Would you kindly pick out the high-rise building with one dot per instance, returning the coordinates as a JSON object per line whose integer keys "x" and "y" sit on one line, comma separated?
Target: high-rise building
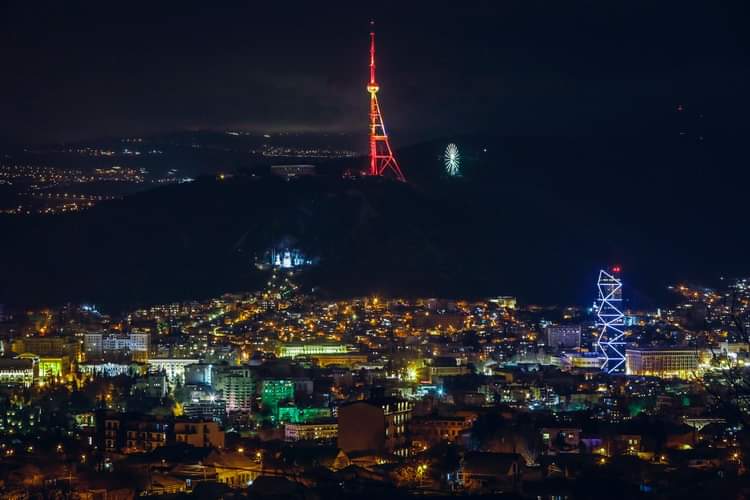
{"x": 610, "y": 321}
{"x": 374, "y": 425}
{"x": 153, "y": 385}
{"x": 97, "y": 345}
{"x": 275, "y": 391}
{"x": 206, "y": 408}
{"x": 236, "y": 385}
{"x": 173, "y": 367}
{"x": 133, "y": 342}
{"x": 563, "y": 336}
{"x": 199, "y": 374}
{"x": 93, "y": 347}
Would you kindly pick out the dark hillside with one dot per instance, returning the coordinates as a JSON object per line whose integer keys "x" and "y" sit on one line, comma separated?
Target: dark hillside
{"x": 530, "y": 217}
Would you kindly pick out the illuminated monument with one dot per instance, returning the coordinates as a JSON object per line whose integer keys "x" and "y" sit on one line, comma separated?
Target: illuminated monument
{"x": 381, "y": 155}
{"x": 610, "y": 321}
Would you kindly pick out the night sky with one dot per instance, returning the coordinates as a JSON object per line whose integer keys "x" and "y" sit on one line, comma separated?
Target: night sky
{"x": 74, "y": 71}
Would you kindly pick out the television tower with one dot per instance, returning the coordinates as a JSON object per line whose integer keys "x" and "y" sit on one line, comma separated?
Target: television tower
{"x": 610, "y": 321}
{"x": 381, "y": 155}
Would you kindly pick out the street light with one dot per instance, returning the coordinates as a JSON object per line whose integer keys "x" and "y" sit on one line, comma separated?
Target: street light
{"x": 421, "y": 469}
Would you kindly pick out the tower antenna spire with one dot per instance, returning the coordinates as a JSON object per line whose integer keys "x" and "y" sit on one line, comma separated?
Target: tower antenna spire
{"x": 372, "y": 52}
{"x": 381, "y": 155}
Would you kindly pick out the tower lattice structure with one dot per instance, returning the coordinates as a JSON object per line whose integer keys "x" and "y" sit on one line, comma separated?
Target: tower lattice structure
{"x": 610, "y": 321}
{"x": 381, "y": 155}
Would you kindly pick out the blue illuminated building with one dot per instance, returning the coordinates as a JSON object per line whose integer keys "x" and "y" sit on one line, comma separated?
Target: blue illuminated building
{"x": 610, "y": 321}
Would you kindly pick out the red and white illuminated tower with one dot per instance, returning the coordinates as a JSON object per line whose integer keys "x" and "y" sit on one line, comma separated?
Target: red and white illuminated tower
{"x": 381, "y": 155}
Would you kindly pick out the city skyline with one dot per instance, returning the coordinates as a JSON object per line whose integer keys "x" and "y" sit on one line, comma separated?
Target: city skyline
{"x": 223, "y": 277}
{"x": 570, "y": 179}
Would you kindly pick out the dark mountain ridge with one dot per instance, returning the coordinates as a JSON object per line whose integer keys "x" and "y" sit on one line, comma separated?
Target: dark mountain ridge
{"x": 530, "y": 217}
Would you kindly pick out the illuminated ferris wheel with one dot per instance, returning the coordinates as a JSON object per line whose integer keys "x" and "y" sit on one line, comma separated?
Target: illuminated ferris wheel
{"x": 452, "y": 160}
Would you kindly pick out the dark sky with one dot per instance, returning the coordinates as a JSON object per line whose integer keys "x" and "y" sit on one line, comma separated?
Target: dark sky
{"x": 74, "y": 71}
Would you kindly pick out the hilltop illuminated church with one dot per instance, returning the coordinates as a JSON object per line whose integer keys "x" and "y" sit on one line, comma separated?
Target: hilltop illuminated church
{"x": 288, "y": 258}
